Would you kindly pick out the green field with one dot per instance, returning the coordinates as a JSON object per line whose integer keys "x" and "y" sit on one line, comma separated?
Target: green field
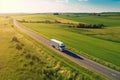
{"x": 100, "y": 49}
{"x": 109, "y": 21}
{"x": 22, "y": 58}
{"x": 110, "y": 32}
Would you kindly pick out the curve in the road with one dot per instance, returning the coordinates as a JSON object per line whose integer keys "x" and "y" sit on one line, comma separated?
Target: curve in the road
{"x": 87, "y": 63}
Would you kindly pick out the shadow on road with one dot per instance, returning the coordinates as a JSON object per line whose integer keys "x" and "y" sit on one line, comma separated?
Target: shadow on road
{"x": 72, "y": 54}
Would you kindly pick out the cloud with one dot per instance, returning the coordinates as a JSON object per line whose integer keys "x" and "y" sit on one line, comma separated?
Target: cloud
{"x": 62, "y": 1}
{"x": 83, "y": 0}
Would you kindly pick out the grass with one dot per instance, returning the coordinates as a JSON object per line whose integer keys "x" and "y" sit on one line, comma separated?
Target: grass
{"x": 112, "y": 21}
{"x": 89, "y": 45}
{"x": 43, "y": 17}
{"x": 100, "y": 50}
{"x": 22, "y": 58}
{"x": 108, "y": 33}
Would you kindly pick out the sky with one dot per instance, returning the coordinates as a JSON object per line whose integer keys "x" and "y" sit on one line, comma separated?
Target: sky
{"x": 43, "y": 6}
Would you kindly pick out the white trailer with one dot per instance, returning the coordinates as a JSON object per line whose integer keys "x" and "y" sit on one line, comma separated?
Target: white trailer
{"x": 57, "y": 44}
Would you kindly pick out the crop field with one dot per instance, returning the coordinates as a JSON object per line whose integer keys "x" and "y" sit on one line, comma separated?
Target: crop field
{"x": 99, "y": 48}
{"x": 110, "y": 21}
{"x": 43, "y": 17}
{"x": 110, "y": 32}
{"x": 22, "y": 58}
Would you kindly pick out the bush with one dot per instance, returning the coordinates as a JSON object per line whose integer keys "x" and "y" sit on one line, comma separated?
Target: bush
{"x": 31, "y": 63}
{"x": 55, "y": 13}
{"x": 35, "y": 58}
{"x": 12, "y": 25}
{"x": 94, "y": 26}
{"x": 14, "y": 39}
{"x": 18, "y": 47}
{"x": 28, "y": 56}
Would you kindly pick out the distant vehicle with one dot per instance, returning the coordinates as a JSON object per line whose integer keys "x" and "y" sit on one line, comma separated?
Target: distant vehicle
{"x": 57, "y": 44}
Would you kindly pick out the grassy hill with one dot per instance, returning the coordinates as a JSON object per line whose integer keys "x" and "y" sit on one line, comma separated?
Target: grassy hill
{"x": 100, "y": 50}
{"x": 22, "y": 58}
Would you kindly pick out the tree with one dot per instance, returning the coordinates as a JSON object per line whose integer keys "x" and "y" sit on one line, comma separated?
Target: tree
{"x": 55, "y": 13}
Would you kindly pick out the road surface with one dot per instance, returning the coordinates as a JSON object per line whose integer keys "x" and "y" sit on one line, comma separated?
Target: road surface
{"x": 87, "y": 63}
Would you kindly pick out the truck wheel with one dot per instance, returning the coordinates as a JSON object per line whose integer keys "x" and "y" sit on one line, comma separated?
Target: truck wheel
{"x": 53, "y": 46}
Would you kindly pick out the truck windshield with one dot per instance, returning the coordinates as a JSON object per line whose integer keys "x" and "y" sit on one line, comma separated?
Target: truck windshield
{"x": 62, "y": 46}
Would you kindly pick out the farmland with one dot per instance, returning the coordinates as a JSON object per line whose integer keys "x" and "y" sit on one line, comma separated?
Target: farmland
{"x": 111, "y": 31}
{"x": 101, "y": 48}
{"x": 22, "y": 58}
{"x": 107, "y": 20}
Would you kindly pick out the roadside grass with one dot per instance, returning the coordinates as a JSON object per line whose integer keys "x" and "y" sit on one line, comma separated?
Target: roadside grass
{"x": 101, "y": 48}
{"x": 102, "y": 51}
{"x": 22, "y": 58}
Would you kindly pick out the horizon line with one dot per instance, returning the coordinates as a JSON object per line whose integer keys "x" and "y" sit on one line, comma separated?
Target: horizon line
{"x": 57, "y": 12}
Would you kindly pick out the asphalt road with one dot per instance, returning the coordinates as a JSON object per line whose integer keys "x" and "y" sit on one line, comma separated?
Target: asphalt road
{"x": 87, "y": 63}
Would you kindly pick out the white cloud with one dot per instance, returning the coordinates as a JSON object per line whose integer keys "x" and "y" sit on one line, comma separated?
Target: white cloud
{"x": 11, "y": 6}
{"x": 83, "y": 0}
{"x": 62, "y": 1}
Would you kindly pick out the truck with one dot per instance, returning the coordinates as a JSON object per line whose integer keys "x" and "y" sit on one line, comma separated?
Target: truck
{"x": 57, "y": 45}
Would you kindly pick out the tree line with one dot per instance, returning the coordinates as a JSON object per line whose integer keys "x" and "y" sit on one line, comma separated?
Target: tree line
{"x": 44, "y": 21}
{"x": 94, "y": 26}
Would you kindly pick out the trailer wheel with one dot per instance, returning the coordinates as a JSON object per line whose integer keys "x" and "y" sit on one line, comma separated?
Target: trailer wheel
{"x": 53, "y": 46}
